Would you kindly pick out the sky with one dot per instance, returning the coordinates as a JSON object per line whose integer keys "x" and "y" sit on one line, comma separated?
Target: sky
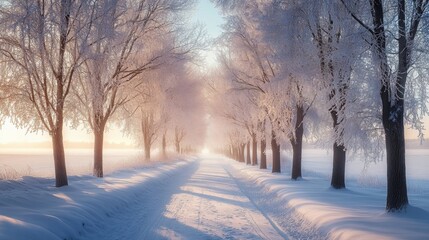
{"x": 207, "y": 15}
{"x": 204, "y": 13}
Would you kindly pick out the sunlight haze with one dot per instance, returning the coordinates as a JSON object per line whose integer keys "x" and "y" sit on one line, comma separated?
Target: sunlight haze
{"x": 205, "y": 13}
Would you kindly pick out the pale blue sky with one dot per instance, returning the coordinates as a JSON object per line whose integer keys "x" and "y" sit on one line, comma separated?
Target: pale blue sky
{"x": 208, "y": 15}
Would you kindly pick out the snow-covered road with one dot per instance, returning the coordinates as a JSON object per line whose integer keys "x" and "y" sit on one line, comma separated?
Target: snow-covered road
{"x": 204, "y": 197}
{"x": 201, "y": 201}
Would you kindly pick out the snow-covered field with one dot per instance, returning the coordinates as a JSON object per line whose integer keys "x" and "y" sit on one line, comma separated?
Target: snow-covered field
{"x": 319, "y": 163}
{"x": 209, "y": 197}
{"x": 18, "y": 162}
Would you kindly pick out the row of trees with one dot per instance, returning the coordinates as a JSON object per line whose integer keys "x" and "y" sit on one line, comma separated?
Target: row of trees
{"x": 351, "y": 72}
{"x": 169, "y": 105}
{"x": 90, "y": 62}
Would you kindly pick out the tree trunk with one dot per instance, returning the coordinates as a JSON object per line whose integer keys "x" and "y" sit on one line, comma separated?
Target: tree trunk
{"x": 263, "y": 155}
{"x": 393, "y": 112}
{"x": 164, "y": 145}
{"x": 297, "y": 158}
{"x": 242, "y": 146}
{"x": 276, "y": 153}
{"x": 248, "y": 153}
{"x": 297, "y": 144}
{"x": 397, "y": 197}
{"x": 57, "y": 130}
{"x": 147, "y": 151}
{"x": 147, "y": 132}
{"x": 179, "y": 134}
{"x": 98, "y": 152}
{"x": 177, "y": 144}
{"x": 59, "y": 158}
{"x": 339, "y": 159}
{"x": 254, "y": 150}
{"x": 327, "y": 70}
{"x": 338, "y": 167}
{"x": 234, "y": 153}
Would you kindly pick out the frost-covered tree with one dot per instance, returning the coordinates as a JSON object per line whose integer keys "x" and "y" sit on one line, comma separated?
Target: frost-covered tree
{"x": 147, "y": 111}
{"x": 130, "y": 38}
{"x": 267, "y": 48}
{"x": 331, "y": 31}
{"x": 187, "y": 110}
{"x": 394, "y": 28}
{"x": 7, "y": 88}
{"x": 237, "y": 106}
{"x": 179, "y": 134}
{"x": 237, "y": 144}
{"x": 44, "y": 43}
{"x": 168, "y": 105}
{"x": 240, "y": 109}
{"x": 284, "y": 28}
{"x": 342, "y": 32}
{"x": 250, "y": 68}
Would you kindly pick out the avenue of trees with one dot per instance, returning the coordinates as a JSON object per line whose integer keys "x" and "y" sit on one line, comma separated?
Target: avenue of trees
{"x": 352, "y": 74}
{"x": 348, "y": 74}
{"x": 95, "y": 63}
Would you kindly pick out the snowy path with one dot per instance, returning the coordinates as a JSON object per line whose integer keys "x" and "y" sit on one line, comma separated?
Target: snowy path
{"x": 209, "y": 198}
{"x": 202, "y": 201}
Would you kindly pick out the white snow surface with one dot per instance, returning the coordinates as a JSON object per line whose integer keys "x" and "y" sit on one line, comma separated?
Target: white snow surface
{"x": 183, "y": 199}
{"x": 209, "y": 197}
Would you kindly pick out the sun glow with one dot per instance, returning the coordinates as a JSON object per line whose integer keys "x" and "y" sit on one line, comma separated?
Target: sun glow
{"x": 205, "y": 151}
{"x": 15, "y": 137}
{"x": 209, "y": 59}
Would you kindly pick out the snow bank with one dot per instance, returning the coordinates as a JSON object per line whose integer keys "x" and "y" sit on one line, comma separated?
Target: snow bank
{"x": 31, "y": 208}
{"x": 354, "y": 213}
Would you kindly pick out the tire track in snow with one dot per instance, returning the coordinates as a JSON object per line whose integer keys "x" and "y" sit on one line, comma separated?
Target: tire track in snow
{"x": 139, "y": 217}
{"x": 160, "y": 207}
{"x": 274, "y": 208}
{"x": 273, "y": 223}
{"x": 198, "y": 201}
{"x": 239, "y": 204}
